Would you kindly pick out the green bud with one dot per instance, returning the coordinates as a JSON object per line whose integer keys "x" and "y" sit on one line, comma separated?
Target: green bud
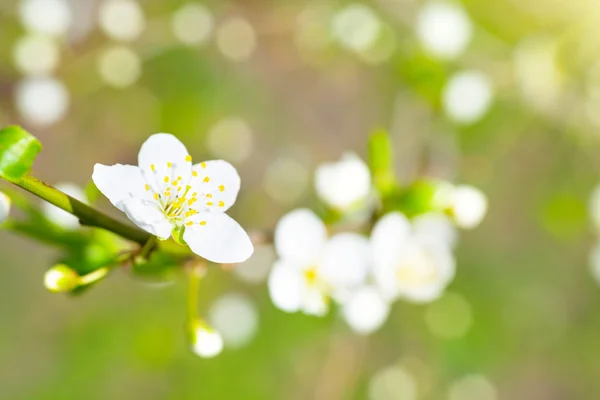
{"x": 60, "y": 279}
{"x": 178, "y": 235}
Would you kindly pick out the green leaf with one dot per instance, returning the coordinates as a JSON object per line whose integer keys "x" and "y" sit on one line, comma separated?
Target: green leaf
{"x": 416, "y": 199}
{"x": 381, "y": 162}
{"x": 18, "y": 149}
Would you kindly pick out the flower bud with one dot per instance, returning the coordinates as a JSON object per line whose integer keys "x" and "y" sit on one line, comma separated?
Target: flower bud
{"x": 468, "y": 206}
{"x": 61, "y": 278}
{"x": 4, "y": 207}
{"x": 206, "y": 342}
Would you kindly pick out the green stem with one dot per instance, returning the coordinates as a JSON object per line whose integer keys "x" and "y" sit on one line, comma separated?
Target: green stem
{"x": 87, "y": 215}
{"x": 195, "y": 276}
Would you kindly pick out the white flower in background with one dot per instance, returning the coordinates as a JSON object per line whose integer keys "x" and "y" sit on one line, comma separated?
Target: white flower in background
{"x": 473, "y": 387}
{"x": 192, "y": 23}
{"x": 119, "y": 66}
{"x": 467, "y": 96}
{"x": 49, "y": 17}
{"x": 42, "y": 101}
{"x": 167, "y": 192}
{"x": 4, "y": 207}
{"x": 356, "y": 27}
{"x": 122, "y": 20}
{"x": 231, "y": 138}
{"x": 468, "y": 206}
{"x": 236, "y": 318}
{"x": 444, "y": 29}
{"x": 595, "y": 262}
{"x": 236, "y": 39}
{"x": 411, "y": 260}
{"x": 60, "y": 217}
{"x": 394, "y": 382}
{"x": 366, "y": 310}
{"x": 345, "y": 183}
{"x": 312, "y": 269}
{"x": 36, "y": 54}
{"x": 594, "y": 208}
{"x": 207, "y": 342}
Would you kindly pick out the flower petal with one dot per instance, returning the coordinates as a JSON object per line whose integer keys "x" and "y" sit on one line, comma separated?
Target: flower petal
{"x": 314, "y": 302}
{"x": 163, "y": 155}
{"x": 435, "y": 228}
{"x": 366, "y": 311}
{"x": 119, "y": 183}
{"x": 300, "y": 237}
{"x": 218, "y": 238}
{"x": 286, "y": 287}
{"x": 345, "y": 183}
{"x": 389, "y": 237}
{"x": 147, "y": 216}
{"x": 217, "y": 182}
{"x": 345, "y": 261}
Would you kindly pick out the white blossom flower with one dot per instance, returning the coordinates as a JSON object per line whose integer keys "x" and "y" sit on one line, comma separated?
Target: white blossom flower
{"x": 312, "y": 269}
{"x": 59, "y": 216}
{"x": 4, "y": 207}
{"x": 412, "y": 261}
{"x": 468, "y": 206}
{"x": 345, "y": 183}
{"x": 167, "y": 193}
{"x": 366, "y": 310}
{"x": 207, "y": 342}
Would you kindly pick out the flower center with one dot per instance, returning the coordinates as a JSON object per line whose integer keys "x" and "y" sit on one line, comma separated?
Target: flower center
{"x": 417, "y": 270}
{"x": 311, "y": 276}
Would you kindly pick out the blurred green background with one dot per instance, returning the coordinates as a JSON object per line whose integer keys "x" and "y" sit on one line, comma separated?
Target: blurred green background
{"x": 277, "y": 87}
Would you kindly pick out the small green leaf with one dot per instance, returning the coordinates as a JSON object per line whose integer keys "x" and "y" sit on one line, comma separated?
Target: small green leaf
{"x": 381, "y": 162}
{"x": 416, "y": 199}
{"x": 18, "y": 149}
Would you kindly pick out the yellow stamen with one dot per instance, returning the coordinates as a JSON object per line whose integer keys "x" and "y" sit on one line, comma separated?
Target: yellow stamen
{"x": 189, "y": 223}
{"x": 147, "y": 187}
{"x": 210, "y": 203}
{"x": 166, "y": 179}
{"x": 206, "y": 179}
{"x": 152, "y": 167}
{"x": 310, "y": 275}
{"x": 221, "y": 204}
{"x": 203, "y": 164}
{"x": 169, "y": 165}
{"x": 155, "y": 196}
{"x": 188, "y": 158}
{"x": 203, "y": 223}
{"x": 222, "y": 188}
{"x": 209, "y": 196}
{"x": 194, "y": 174}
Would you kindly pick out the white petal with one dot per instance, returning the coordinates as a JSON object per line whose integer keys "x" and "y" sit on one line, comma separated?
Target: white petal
{"x": 469, "y": 206}
{"x": 61, "y": 217}
{"x": 219, "y": 180}
{"x": 119, "y": 183}
{"x": 169, "y": 157}
{"x": 4, "y": 207}
{"x": 300, "y": 237}
{"x": 344, "y": 183}
{"x": 147, "y": 216}
{"x": 436, "y": 228}
{"x": 286, "y": 287}
{"x": 218, "y": 238}
{"x": 389, "y": 237}
{"x": 366, "y": 311}
{"x": 207, "y": 343}
{"x": 314, "y": 301}
{"x": 345, "y": 261}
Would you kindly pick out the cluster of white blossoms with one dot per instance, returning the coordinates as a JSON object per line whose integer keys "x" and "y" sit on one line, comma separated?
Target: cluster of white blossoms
{"x": 400, "y": 259}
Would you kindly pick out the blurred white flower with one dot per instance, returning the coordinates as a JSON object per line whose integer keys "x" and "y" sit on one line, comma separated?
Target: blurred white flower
{"x": 49, "y": 17}
{"x": 409, "y": 261}
{"x": 119, "y": 66}
{"x": 345, "y": 183}
{"x": 312, "y": 269}
{"x": 122, "y": 20}
{"x": 42, "y": 101}
{"x": 356, "y": 27}
{"x": 467, "y": 96}
{"x": 393, "y": 382}
{"x": 4, "y": 207}
{"x": 36, "y": 54}
{"x": 366, "y": 310}
{"x": 231, "y": 139}
{"x": 256, "y": 269}
{"x": 444, "y": 29}
{"x": 473, "y": 387}
{"x": 60, "y": 217}
{"x": 595, "y": 262}
{"x": 236, "y": 318}
{"x": 192, "y": 23}
{"x": 594, "y": 208}
{"x": 236, "y": 39}
{"x": 207, "y": 342}
{"x": 468, "y": 206}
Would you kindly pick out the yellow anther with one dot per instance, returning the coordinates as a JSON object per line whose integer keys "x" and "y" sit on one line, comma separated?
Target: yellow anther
{"x": 166, "y": 179}
{"x": 179, "y": 178}
{"x": 209, "y": 196}
{"x": 203, "y": 164}
{"x": 167, "y": 193}
{"x": 202, "y": 223}
{"x": 174, "y": 183}
{"x": 155, "y": 196}
{"x": 194, "y": 174}
{"x": 147, "y": 187}
{"x": 194, "y": 194}
{"x": 189, "y": 223}
{"x": 179, "y": 188}
{"x": 206, "y": 179}
{"x": 169, "y": 165}
{"x": 187, "y": 187}
{"x": 152, "y": 167}
{"x": 210, "y": 203}
{"x": 222, "y": 188}
{"x": 191, "y": 201}
{"x": 188, "y": 158}
{"x": 221, "y": 204}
